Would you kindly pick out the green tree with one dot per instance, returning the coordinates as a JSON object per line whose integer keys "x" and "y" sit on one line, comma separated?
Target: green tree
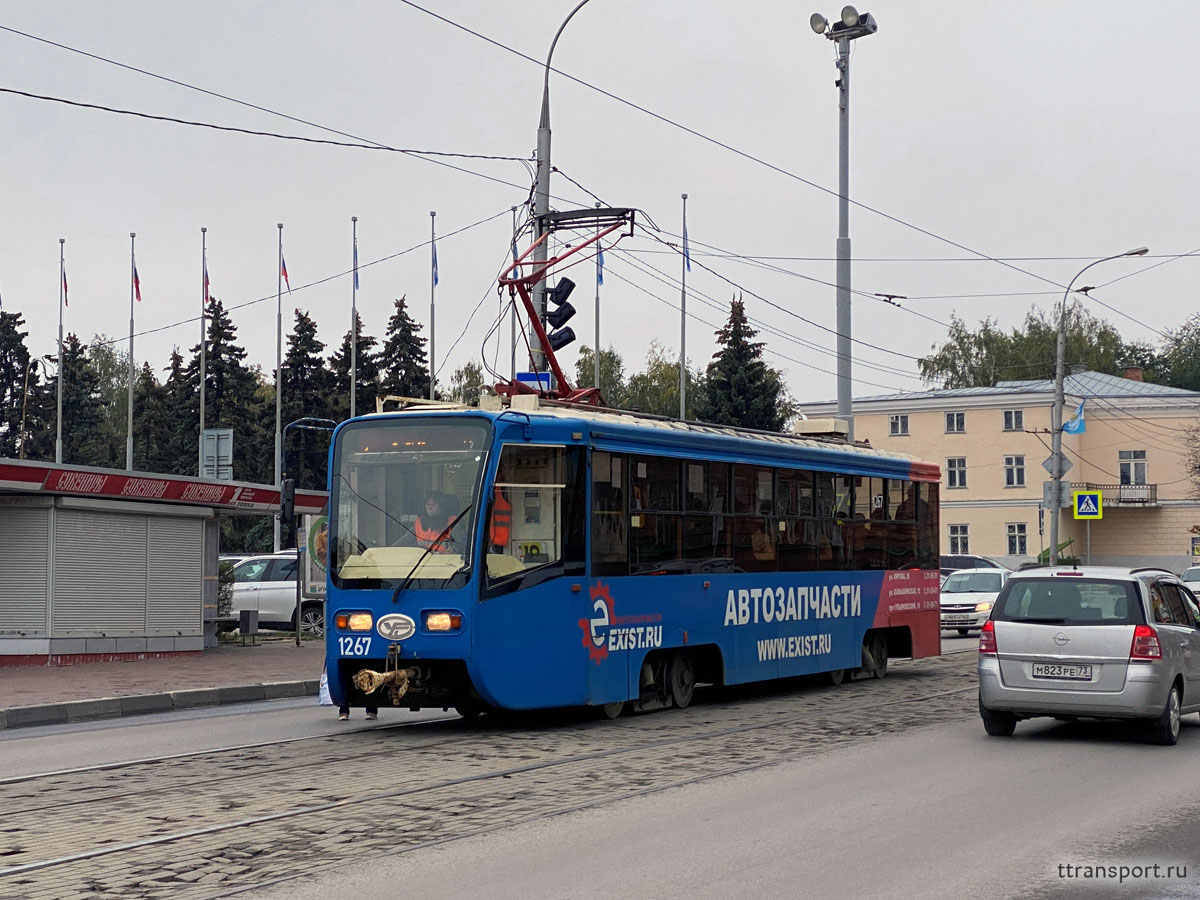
{"x": 151, "y": 430}
{"x": 18, "y": 372}
{"x": 177, "y": 421}
{"x": 1178, "y": 363}
{"x": 110, "y": 364}
{"x": 655, "y": 389}
{"x": 739, "y": 388}
{"x": 403, "y": 365}
{"x": 467, "y": 383}
{"x": 988, "y": 355}
{"x": 366, "y": 382}
{"x": 307, "y": 392}
{"x": 612, "y": 376}
{"x": 84, "y": 441}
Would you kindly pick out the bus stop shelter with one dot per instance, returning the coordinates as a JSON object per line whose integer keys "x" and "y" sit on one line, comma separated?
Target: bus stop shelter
{"x": 99, "y": 564}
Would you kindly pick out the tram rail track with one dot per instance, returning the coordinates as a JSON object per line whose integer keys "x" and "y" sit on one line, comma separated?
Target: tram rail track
{"x": 478, "y": 779}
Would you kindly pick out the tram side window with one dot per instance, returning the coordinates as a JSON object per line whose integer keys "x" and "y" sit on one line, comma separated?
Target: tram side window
{"x": 706, "y": 531}
{"x": 927, "y": 524}
{"x": 655, "y": 515}
{"x": 610, "y": 550}
{"x": 834, "y": 498}
{"x": 795, "y": 503}
{"x": 536, "y": 511}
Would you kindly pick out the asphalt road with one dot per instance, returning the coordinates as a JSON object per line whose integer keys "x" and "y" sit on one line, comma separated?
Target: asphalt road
{"x": 938, "y": 812}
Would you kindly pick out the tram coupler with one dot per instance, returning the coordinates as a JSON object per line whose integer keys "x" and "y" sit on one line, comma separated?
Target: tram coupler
{"x": 395, "y": 678}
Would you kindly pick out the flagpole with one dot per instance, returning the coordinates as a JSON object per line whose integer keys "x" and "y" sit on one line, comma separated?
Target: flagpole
{"x": 203, "y": 339}
{"x": 132, "y": 288}
{"x": 683, "y": 319}
{"x": 512, "y": 310}
{"x": 599, "y": 278}
{"x": 278, "y": 375}
{"x": 62, "y": 297}
{"x": 354, "y": 320}
{"x": 433, "y": 280}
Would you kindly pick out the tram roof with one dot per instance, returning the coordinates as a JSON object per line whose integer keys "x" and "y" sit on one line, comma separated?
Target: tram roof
{"x": 631, "y": 427}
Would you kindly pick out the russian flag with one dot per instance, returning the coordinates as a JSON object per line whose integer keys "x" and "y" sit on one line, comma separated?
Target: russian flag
{"x": 206, "y": 298}
{"x": 66, "y": 299}
{"x": 137, "y": 284}
{"x": 283, "y": 272}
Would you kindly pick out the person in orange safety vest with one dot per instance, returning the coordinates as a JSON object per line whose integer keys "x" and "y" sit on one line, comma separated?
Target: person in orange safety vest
{"x": 432, "y": 526}
{"x": 501, "y": 526}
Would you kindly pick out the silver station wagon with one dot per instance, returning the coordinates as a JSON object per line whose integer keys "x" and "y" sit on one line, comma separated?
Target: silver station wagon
{"x": 1091, "y": 642}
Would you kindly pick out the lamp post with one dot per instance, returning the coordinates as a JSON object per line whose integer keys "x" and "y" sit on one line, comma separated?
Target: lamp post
{"x": 1056, "y": 414}
{"x": 541, "y": 190}
{"x": 852, "y": 25}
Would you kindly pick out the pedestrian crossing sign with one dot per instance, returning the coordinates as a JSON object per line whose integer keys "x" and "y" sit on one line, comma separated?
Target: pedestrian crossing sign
{"x": 1088, "y": 504}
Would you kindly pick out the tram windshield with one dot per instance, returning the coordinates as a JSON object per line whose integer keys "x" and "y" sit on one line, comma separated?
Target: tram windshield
{"x": 406, "y": 495}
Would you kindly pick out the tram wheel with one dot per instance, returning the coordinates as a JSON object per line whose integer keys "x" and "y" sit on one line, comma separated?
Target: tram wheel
{"x": 681, "y": 679}
{"x": 836, "y": 677}
{"x": 880, "y": 652}
{"x": 613, "y": 710}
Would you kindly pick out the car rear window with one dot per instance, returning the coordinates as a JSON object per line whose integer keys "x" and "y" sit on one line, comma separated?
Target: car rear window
{"x": 1068, "y": 601}
{"x": 982, "y": 581}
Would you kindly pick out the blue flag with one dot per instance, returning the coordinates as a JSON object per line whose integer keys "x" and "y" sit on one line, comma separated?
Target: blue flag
{"x": 435, "y": 274}
{"x": 356, "y": 265}
{"x": 687, "y": 258}
{"x": 600, "y": 266}
{"x": 1076, "y": 424}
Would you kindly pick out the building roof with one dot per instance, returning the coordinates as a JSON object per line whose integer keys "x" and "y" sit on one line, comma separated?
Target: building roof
{"x": 1077, "y": 384}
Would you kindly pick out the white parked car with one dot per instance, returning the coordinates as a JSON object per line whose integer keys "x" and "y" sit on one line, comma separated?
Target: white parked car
{"x": 968, "y": 596}
{"x": 1190, "y": 575}
{"x": 267, "y": 583}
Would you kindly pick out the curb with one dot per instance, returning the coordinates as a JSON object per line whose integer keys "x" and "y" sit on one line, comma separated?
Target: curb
{"x": 117, "y": 707}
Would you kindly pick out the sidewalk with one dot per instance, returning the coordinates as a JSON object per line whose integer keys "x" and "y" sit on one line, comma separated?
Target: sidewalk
{"x": 230, "y": 673}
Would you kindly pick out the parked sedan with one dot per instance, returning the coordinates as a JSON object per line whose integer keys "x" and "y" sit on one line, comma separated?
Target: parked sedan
{"x": 1190, "y": 575}
{"x": 968, "y": 596}
{"x": 1091, "y": 642}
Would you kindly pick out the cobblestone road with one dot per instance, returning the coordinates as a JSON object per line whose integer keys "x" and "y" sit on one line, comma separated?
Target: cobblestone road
{"x": 209, "y": 825}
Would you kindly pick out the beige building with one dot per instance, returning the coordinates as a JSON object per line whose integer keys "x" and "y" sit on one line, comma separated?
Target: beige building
{"x": 991, "y": 443}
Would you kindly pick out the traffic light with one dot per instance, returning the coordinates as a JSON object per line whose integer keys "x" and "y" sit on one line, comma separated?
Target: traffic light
{"x": 560, "y": 339}
{"x": 287, "y": 500}
{"x": 559, "y": 317}
{"x": 560, "y": 292}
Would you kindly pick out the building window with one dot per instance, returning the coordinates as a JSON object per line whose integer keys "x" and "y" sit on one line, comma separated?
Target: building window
{"x": 955, "y": 423}
{"x": 956, "y": 472}
{"x": 1016, "y": 539}
{"x": 898, "y": 425}
{"x": 1133, "y": 466}
{"x": 959, "y": 542}
{"x": 1014, "y": 420}
{"x": 1014, "y": 471}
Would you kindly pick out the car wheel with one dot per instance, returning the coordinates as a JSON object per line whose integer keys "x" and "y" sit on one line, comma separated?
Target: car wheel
{"x": 997, "y": 724}
{"x": 312, "y": 620}
{"x": 1165, "y": 729}
{"x": 836, "y": 677}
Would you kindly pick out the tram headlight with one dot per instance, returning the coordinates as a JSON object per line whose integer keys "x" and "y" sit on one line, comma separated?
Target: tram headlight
{"x": 443, "y": 621}
{"x": 357, "y": 621}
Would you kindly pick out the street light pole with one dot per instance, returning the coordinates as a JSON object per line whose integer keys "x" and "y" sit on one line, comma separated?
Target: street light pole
{"x": 852, "y": 25}
{"x": 1056, "y": 414}
{"x": 541, "y": 192}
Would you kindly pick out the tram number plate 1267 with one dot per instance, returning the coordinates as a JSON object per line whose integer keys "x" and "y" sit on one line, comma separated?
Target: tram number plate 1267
{"x": 354, "y": 646}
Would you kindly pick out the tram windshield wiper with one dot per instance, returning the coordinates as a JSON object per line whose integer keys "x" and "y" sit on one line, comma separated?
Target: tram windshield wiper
{"x": 420, "y": 559}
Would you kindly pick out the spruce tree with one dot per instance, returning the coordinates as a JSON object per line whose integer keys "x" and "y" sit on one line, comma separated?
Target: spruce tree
{"x": 307, "y": 390}
{"x": 403, "y": 365}
{"x": 180, "y": 420}
{"x": 18, "y": 372}
{"x": 84, "y": 442}
{"x": 739, "y": 388}
{"x": 367, "y": 380}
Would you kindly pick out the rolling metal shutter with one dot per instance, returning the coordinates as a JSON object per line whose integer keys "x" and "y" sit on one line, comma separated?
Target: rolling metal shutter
{"x": 99, "y": 574}
{"x": 175, "y": 582}
{"x": 25, "y": 538}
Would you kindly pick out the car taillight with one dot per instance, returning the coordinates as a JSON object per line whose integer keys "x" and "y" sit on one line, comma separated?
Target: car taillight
{"x": 1145, "y": 643}
{"x": 987, "y": 639}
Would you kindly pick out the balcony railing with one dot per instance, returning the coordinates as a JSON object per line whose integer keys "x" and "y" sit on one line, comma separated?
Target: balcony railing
{"x": 1122, "y": 494}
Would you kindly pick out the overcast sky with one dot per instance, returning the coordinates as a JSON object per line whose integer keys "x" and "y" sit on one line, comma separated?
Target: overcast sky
{"x": 1044, "y": 134}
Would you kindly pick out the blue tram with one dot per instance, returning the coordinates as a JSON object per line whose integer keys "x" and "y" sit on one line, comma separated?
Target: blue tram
{"x": 547, "y": 556}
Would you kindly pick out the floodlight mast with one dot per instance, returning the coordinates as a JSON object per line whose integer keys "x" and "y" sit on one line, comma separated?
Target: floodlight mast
{"x": 530, "y": 269}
